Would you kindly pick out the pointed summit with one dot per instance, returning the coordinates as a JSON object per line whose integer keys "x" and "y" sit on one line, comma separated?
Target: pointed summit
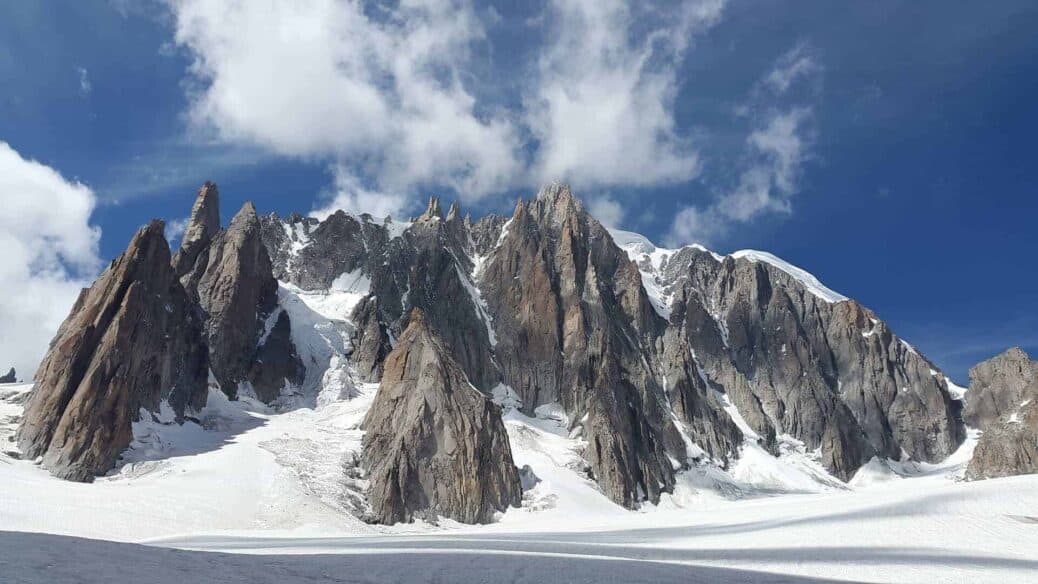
{"x": 10, "y": 377}
{"x": 453, "y": 212}
{"x": 131, "y": 341}
{"x": 246, "y": 215}
{"x": 204, "y": 225}
{"x": 556, "y": 201}
{"x": 558, "y": 194}
{"x": 431, "y": 211}
{"x": 435, "y": 446}
{"x": 238, "y": 293}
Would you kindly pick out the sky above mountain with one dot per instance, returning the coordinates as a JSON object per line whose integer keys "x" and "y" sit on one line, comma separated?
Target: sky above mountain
{"x": 887, "y": 147}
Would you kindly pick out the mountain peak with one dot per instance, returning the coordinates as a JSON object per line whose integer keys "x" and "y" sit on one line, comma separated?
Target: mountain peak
{"x": 453, "y": 212}
{"x": 205, "y": 214}
{"x": 247, "y": 214}
{"x": 203, "y": 226}
{"x": 432, "y": 211}
{"x": 556, "y": 193}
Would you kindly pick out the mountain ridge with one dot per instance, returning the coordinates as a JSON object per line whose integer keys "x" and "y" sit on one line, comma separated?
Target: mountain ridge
{"x": 662, "y": 360}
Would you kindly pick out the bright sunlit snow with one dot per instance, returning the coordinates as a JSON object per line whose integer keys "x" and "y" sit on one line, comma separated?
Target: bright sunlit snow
{"x": 254, "y": 480}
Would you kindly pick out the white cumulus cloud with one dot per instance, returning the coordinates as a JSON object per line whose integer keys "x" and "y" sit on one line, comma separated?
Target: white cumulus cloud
{"x": 377, "y": 86}
{"x": 602, "y": 105}
{"x": 384, "y": 93}
{"x": 50, "y": 253}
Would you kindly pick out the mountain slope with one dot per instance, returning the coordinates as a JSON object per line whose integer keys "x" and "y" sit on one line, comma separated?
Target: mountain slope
{"x": 657, "y": 356}
{"x": 660, "y": 361}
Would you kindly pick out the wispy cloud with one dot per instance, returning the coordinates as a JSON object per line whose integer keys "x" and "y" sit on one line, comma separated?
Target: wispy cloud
{"x": 800, "y": 62}
{"x": 175, "y": 229}
{"x": 776, "y": 149}
{"x": 85, "y": 88}
{"x": 606, "y": 209}
{"x": 349, "y": 195}
{"x": 601, "y": 105}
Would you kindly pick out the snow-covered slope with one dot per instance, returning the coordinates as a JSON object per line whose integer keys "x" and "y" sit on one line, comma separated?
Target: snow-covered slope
{"x": 250, "y": 479}
{"x": 284, "y": 478}
{"x": 262, "y": 483}
{"x": 652, "y": 257}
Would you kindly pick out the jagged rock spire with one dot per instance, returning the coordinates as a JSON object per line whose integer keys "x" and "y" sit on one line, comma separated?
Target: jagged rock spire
{"x": 238, "y": 293}
{"x": 432, "y": 211}
{"x": 453, "y": 212}
{"x": 203, "y": 227}
{"x": 131, "y": 341}
{"x": 435, "y": 446}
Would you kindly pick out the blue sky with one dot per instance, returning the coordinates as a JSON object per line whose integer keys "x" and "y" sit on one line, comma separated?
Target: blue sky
{"x": 887, "y": 147}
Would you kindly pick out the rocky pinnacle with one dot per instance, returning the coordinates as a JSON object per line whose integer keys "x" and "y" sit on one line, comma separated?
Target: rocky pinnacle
{"x": 435, "y": 446}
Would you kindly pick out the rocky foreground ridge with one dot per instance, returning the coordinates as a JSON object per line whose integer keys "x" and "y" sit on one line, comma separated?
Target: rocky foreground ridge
{"x": 661, "y": 359}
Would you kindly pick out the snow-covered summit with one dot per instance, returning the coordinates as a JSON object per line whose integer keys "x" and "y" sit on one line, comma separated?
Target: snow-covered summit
{"x": 640, "y": 249}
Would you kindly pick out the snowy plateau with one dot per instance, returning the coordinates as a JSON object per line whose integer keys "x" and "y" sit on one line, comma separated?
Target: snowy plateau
{"x": 254, "y": 492}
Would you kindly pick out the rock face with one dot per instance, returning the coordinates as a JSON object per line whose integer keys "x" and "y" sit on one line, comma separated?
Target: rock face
{"x": 575, "y": 326}
{"x": 435, "y": 446}
{"x": 231, "y": 278}
{"x": 424, "y": 264}
{"x": 797, "y": 359}
{"x": 1002, "y": 402}
{"x": 200, "y": 231}
{"x": 131, "y": 342}
{"x": 9, "y": 377}
{"x": 660, "y": 358}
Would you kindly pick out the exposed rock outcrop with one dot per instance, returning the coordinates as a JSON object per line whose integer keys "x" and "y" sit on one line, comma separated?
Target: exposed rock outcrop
{"x": 797, "y": 359}
{"x": 435, "y": 446}
{"x": 660, "y": 358}
{"x": 575, "y": 326}
{"x": 131, "y": 342}
{"x": 249, "y": 337}
{"x": 425, "y": 264}
{"x": 545, "y": 302}
{"x": 1002, "y": 402}
{"x": 9, "y": 377}
{"x": 200, "y": 231}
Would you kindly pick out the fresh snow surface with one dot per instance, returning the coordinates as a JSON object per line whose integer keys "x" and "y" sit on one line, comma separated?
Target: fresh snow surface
{"x": 805, "y": 278}
{"x": 650, "y": 259}
{"x": 321, "y": 332}
{"x": 277, "y": 486}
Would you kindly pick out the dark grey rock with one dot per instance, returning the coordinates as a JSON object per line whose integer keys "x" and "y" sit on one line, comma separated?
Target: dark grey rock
{"x": 9, "y": 377}
{"x": 830, "y": 374}
{"x": 575, "y": 326}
